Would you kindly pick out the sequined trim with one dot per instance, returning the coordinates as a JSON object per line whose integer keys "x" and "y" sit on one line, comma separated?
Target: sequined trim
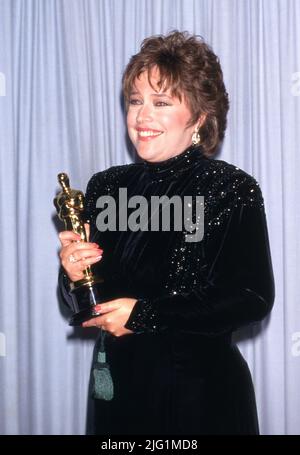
{"x": 174, "y": 166}
{"x": 143, "y": 318}
{"x": 102, "y": 183}
{"x": 229, "y": 188}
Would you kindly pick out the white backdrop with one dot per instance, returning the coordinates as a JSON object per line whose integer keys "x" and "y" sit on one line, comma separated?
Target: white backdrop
{"x": 61, "y": 63}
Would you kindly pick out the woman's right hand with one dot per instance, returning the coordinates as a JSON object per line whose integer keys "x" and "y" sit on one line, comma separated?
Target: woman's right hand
{"x": 84, "y": 253}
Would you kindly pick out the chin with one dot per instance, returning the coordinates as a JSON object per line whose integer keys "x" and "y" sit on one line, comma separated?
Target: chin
{"x": 145, "y": 156}
{"x": 148, "y": 155}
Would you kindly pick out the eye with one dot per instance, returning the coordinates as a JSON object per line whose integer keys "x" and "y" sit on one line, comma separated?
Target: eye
{"x": 135, "y": 101}
{"x": 162, "y": 103}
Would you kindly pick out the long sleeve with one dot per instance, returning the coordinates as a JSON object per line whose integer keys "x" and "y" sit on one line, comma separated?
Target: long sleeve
{"x": 64, "y": 288}
{"x": 238, "y": 288}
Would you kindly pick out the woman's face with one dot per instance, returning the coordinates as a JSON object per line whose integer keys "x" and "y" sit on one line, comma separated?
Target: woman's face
{"x": 156, "y": 121}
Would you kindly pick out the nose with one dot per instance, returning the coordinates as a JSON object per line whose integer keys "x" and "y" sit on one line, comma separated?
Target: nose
{"x": 144, "y": 114}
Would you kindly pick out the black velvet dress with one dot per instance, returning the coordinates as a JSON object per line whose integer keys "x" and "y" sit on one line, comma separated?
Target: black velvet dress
{"x": 180, "y": 373}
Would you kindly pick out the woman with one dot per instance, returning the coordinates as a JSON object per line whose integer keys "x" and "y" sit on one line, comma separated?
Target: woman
{"x": 173, "y": 303}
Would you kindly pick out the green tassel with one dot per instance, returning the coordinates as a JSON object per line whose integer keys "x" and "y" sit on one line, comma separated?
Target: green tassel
{"x": 103, "y": 388}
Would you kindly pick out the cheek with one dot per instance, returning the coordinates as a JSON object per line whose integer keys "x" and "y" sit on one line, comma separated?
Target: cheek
{"x": 176, "y": 122}
{"x": 129, "y": 119}
{"x": 130, "y": 122}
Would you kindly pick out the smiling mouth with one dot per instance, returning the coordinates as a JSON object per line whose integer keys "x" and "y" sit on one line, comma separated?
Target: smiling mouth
{"x": 148, "y": 134}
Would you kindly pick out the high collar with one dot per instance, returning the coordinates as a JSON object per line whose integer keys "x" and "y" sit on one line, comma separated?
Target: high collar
{"x": 173, "y": 166}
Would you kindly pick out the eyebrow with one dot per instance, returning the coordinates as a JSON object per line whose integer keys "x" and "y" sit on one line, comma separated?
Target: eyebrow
{"x": 152, "y": 94}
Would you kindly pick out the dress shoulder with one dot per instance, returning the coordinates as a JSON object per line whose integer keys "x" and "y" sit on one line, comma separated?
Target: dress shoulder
{"x": 107, "y": 177}
{"x": 233, "y": 186}
{"x": 227, "y": 188}
{"x": 103, "y": 183}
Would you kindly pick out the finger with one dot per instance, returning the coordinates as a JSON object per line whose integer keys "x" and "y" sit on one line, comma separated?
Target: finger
{"x": 94, "y": 322}
{"x": 90, "y": 323}
{"x": 66, "y": 237}
{"x": 89, "y": 261}
{"x": 107, "y": 307}
{"x": 80, "y": 250}
{"x": 83, "y": 246}
{"x": 81, "y": 258}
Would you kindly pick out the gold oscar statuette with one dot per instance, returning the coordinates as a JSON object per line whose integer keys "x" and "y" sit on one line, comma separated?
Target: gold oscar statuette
{"x": 85, "y": 293}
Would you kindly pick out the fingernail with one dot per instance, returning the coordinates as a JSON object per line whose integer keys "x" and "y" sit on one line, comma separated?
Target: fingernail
{"x": 99, "y": 257}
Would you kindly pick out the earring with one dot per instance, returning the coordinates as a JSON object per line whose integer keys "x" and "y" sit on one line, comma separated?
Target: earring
{"x": 196, "y": 139}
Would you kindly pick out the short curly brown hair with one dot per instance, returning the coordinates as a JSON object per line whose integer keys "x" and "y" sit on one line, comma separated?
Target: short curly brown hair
{"x": 188, "y": 66}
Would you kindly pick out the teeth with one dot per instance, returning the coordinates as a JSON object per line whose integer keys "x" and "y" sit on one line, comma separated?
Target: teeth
{"x": 148, "y": 133}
